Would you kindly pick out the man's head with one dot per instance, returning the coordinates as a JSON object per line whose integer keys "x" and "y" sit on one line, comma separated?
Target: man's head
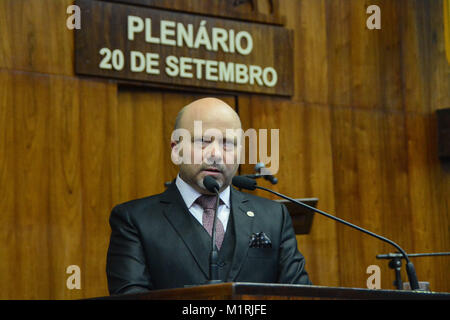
{"x": 215, "y": 132}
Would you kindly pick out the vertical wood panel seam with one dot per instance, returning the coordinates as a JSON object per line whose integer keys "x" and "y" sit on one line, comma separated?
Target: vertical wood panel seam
{"x": 401, "y": 23}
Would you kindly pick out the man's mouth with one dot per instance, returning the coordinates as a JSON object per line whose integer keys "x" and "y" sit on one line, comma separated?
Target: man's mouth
{"x": 212, "y": 170}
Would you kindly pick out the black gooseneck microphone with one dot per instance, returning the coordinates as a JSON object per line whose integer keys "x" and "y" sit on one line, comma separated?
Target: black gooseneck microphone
{"x": 212, "y": 186}
{"x": 250, "y": 184}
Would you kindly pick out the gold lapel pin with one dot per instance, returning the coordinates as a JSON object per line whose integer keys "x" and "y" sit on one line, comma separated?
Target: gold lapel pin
{"x": 250, "y": 213}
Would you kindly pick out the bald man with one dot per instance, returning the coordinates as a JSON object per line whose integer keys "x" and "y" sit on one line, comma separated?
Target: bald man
{"x": 164, "y": 241}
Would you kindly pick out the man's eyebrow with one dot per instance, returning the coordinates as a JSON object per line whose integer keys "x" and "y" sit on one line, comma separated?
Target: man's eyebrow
{"x": 202, "y": 137}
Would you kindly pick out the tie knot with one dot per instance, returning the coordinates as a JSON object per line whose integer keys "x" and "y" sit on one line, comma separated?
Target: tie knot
{"x": 207, "y": 202}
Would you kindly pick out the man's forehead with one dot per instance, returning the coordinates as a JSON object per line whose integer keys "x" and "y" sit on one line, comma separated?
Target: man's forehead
{"x": 216, "y": 132}
{"x": 210, "y": 129}
{"x": 212, "y": 113}
{"x": 205, "y": 124}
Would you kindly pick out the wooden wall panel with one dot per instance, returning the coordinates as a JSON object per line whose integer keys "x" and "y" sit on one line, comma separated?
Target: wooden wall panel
{"x": 426, "y": 89}
{"x": 416, "y": 91}
{"x": 390, "y": 70}
{"x": 100, "y": 178}
{"x": 66, "y": 212}
{"x": 364, "y": 57}
{"x": 371, "y": 189}
{"x": 8, "y": 252}
{"x": 338, "y": 46}
{"x": 426, "y": 72}
{"x": 364, "y": 65}
{"x": 35, "y": 36}
{"x": 59, "y": 138}
{"x": 140, "y": 144}
{"x": 30, "y": 100}
{"x": 308, "y": 20}
{"x": 429, "y": 187}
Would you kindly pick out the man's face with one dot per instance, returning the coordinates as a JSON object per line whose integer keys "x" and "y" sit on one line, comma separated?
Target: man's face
{"x": 214, "y": 149}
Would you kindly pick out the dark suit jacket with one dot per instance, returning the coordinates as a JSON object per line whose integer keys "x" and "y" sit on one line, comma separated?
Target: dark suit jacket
{"x": 155, "y": 244}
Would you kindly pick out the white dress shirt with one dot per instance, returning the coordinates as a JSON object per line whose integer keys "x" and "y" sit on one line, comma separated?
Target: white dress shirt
{"x": 189, "y": 195}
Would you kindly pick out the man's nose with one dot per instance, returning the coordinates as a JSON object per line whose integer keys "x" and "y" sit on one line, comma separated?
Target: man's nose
{"x": 216, "y": 152}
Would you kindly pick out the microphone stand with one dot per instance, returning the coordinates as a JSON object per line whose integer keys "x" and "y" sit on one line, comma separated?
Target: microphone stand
{"x": 410, "y": 270}
{"x": 214, "y": 255}
{"x": 395, "y": 263}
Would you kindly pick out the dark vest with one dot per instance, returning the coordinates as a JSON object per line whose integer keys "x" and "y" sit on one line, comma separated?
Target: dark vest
{"x": 227, "y": 249}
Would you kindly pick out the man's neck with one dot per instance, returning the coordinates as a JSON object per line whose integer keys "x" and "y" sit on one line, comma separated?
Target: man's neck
{"x": 199, "y": 189}
{"x": 224, "y": 194}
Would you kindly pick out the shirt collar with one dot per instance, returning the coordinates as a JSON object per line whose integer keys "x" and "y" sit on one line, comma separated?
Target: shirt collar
{"x": 189, "y": 194}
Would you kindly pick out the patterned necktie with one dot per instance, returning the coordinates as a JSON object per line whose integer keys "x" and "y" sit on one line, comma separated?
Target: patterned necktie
{"x": 208, "y": 203}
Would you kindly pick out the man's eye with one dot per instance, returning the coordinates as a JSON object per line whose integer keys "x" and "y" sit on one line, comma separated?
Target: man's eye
{"x": 202, "y": 141}
{"x": 206, "y": 141}
{"x": 229, "y": 145}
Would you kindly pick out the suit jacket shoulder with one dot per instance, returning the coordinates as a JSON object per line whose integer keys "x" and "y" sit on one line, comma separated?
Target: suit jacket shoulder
{"x": 138, "y": 205}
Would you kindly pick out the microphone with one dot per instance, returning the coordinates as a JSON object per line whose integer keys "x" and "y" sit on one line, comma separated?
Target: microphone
{"x": 243, "y": 182}
{"x": 212, "y": 186}
{"x": 250, "y": 184}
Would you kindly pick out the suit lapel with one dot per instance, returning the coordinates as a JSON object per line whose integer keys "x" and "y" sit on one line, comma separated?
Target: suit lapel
{"x": 243, "y": 228}
{"x": 180, "y": 218}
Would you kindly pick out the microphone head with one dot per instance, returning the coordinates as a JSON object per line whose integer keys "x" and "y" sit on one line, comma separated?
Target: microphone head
{"x": 211, "y": 184}
{"x": 244, "y": 183}
{"x": 259, "y": 166}
{"x": 271, "y": 179}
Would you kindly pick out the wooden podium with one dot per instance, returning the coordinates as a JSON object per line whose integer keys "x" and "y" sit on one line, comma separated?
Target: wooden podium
{"x": 264, "y": 291}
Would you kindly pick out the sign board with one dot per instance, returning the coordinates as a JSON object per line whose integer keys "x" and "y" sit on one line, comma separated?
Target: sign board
{"x": 265, "y": 11}
{"x": 161, "y": 47}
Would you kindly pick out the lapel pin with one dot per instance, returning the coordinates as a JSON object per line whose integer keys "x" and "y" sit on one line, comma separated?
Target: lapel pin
{"x": 250, "y": 213}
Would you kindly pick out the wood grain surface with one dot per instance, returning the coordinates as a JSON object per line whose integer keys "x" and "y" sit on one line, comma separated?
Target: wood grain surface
{"x": 265, "y": 11}
{"x": 359, "y": 133}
